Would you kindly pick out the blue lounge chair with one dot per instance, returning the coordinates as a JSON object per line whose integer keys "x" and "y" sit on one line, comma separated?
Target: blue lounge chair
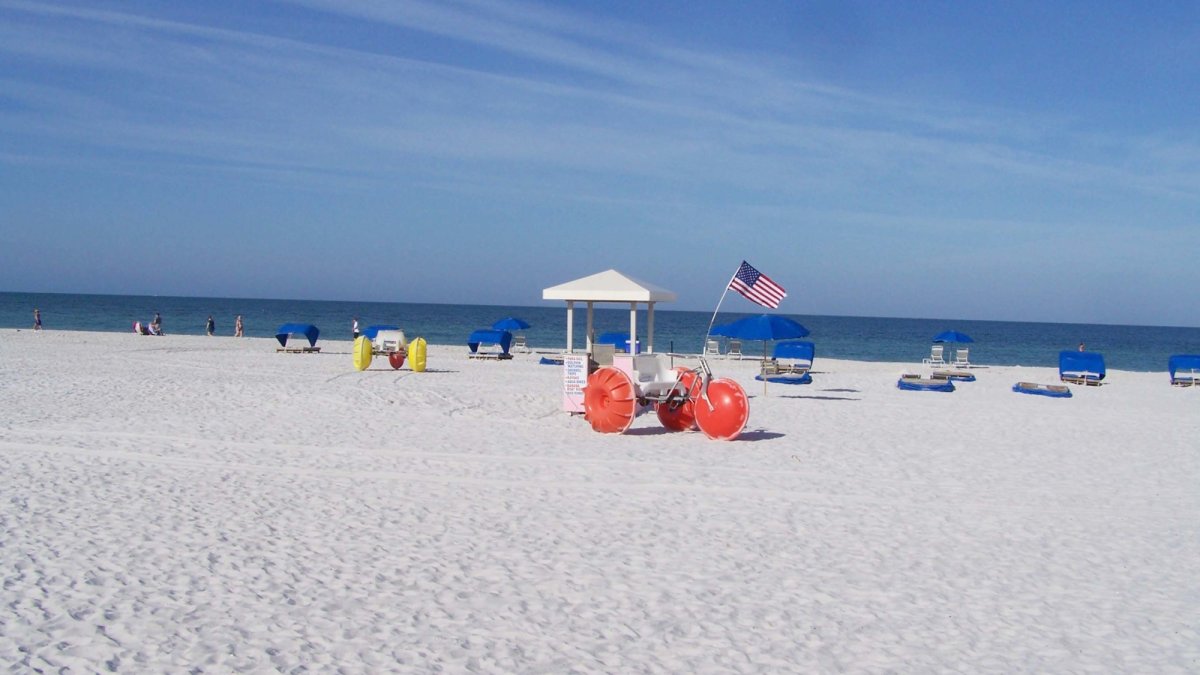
{"x": 789, "y": 363}
{"x": 488, "y": 343}
{"x": 1051, "y": 390}
{"x": 1185, "y": 370}
{"x": 1081, "y": 367}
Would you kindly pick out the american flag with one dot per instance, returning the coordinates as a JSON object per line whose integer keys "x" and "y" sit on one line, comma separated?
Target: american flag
{"x": 756, "y": 286}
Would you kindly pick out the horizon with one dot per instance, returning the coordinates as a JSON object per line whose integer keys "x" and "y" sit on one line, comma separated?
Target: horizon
{"x": 613, "y": 306}
{"x": 1032, "y": 162}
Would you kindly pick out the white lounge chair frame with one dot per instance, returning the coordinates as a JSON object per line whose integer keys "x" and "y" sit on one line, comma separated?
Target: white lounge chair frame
{"x": 735, "y": 349}
{"x": 519, "y": 344}
{"x": 960, "y": 358}
{"x": 935, "y": 356}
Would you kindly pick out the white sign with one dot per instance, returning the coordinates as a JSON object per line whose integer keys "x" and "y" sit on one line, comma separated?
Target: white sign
{"x": 575, "y": 372}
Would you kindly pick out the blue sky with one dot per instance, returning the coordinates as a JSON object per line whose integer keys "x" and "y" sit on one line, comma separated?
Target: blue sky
{"x": 1024, "y": 161}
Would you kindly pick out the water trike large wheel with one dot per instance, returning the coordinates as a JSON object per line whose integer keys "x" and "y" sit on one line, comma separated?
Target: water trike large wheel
{"x": 396, "y": 359}
{"x": 609, "y": 402}
{"x": 729, "y": 413}
{"x": 680, "y": 415}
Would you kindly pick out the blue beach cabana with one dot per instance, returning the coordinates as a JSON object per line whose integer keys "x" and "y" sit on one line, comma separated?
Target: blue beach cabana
{"x": 1185, "y": 369}
{"x": 1081, "y": 367}
{"x": 479, "y": 340}
{"x": 306, "y": 329}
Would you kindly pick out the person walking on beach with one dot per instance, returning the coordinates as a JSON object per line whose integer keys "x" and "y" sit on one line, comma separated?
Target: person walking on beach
{"x": 210, "y": 326}
{"x": 237, "y": 327}
{"x": 37, "y": 319}
{"x": 354, "y": 328}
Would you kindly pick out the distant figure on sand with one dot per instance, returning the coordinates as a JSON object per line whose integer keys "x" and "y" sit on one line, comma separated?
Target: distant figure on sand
{"x": 1081, "y": 347}
{"x": 156, "y": 324}
{"x": 354, "y": 328}
{"x": 237, "y": 327}
{"x": 37, "y": 319}
{"x": 210, "y": 326}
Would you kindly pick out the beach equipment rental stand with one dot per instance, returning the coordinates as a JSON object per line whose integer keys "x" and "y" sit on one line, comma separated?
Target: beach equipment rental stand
{"x": 609, "y": 286}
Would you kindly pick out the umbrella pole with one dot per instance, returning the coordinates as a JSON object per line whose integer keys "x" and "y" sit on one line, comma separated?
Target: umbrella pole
{"x": 762, "y": 369}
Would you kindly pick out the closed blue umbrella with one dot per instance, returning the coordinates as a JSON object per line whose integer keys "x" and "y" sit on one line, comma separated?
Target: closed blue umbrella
{"x": 510, "y": 323}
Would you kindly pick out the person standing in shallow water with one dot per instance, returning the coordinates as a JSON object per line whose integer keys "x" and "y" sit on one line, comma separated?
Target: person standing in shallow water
{"x": 237, "y": 327}
{"x": 210, "y": 325}
{"x": 1081, "y": 347}
{"x": 354, "y": 328}
{"x": 37, "y": 319}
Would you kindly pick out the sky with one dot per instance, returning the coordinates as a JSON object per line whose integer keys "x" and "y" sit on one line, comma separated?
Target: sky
{"x": 976, "y": 160}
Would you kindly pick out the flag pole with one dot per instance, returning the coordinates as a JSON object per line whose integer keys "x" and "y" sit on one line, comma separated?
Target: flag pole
{"x": 714, "y": 316}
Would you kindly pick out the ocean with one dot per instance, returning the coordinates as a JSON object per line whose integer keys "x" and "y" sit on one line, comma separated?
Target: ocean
{"x": 1138, "y": 348}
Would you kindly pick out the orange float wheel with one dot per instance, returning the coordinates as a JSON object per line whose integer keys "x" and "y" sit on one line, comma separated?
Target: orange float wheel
{"x": 396, "y": 359}
{"x": 729, "y": 413}
{"x": 608, "y": 400}
{"x": 680, "y": 415}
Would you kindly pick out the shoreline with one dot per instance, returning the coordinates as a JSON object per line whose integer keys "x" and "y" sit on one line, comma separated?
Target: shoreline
{"x": 347, "y": 346}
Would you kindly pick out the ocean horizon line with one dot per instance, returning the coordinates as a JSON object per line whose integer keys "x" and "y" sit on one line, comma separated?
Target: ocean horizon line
{"x": 617, "y": 306}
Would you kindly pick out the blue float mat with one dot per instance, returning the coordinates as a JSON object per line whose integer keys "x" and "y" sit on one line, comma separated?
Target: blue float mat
{"x": 957, "y": 376}
{"x": 787, "y": 379}
{"x": 924, "y": 385}
{"x": 1057, "y": 391}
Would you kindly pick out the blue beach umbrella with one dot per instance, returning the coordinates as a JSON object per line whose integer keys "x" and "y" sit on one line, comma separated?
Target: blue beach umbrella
{"x": 765, "y": 327}
{"x": 952, "y": 336}
{"x": 762, "y": 327}
{"x": 510, "y": 323}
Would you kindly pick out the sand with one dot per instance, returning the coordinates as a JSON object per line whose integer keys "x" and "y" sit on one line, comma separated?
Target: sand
{"x": 204, "y": 503}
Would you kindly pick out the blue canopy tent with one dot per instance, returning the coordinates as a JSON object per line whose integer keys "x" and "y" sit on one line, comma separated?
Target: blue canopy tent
{"x": 490, "y": 336}
{"x": 618, "y": 339}
{"x": 1081, "y": 367}
{"x": 306, "y": 329}
{"x": 372, "y": 331}
{"x": 1185, "y": 369}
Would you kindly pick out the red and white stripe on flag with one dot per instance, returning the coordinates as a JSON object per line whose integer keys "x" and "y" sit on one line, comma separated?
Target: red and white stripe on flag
{"x": 756, "y": 286}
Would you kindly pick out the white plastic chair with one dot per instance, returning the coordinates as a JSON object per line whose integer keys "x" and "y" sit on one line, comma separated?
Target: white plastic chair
{"x": 960, "y": 358}
{"x": 519, "y": 344}
{"x": 735, "y": 349}
{"x": 935, "y": 356}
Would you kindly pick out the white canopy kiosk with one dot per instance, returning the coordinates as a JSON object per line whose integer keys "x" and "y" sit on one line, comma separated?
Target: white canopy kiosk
{"x": 609, "y": 286}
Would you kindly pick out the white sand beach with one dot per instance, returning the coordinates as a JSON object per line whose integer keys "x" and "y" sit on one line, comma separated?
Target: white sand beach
{"x": 179, "y": 503}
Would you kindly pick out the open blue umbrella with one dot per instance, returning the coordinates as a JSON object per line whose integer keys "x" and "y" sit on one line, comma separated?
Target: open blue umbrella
{"x": 762, "y": 327}
{"x": 510, "y": 323}
{"x": 952, "y": 336}
{"x": 765, "y": 327}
